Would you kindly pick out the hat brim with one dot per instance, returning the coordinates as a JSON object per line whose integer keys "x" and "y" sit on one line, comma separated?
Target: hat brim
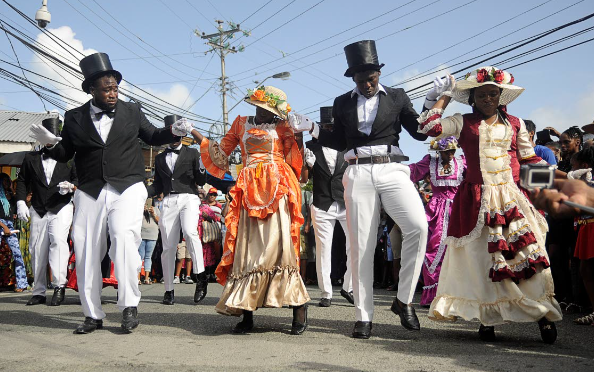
{"x": 265, "y": 106}
{"x": 87, "y": 82}
{"x": 351, "y": 71}
{"x": 588, "y": 128}
{"x": 461, "y": 92}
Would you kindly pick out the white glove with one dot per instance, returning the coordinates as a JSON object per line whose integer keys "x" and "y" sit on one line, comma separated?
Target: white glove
{"x": 300, "y": 123}
{"x": 581, "y": 174}
{"x": 43, "y": 136}
{"x": 22, "y": 211}
{"x": 181, "y": 128}
{"x": 440, "y": 87}
{"x": 65, "y": 187}
{"x": 310, "y": 158}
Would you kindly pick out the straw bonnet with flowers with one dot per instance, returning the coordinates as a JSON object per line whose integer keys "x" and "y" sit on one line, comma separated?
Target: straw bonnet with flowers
{"x": 493, "y": 224}
{"x": 265, "y": 210}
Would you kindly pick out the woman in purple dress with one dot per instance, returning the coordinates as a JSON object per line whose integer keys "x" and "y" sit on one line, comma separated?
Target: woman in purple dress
{"x": 446, "y": 172}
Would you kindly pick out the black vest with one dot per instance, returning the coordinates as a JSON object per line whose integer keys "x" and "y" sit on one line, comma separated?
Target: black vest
{"x": 186, "y": 174}
{"x": 327, "y": 187}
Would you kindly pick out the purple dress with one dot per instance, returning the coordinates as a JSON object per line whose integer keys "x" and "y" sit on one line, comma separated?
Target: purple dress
{"x": 438, "y": 210}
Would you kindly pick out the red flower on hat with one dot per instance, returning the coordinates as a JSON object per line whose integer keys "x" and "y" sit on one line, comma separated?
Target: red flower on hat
{"x": 498, "y": 76}
{"x": 511, "y": 81}
{"x": 481, "y": 75}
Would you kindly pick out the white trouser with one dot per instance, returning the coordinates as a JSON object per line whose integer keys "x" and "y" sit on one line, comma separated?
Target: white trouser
{"x": 323, "y": 222}
{"x": 366, "y": 187}
{"x": 121, "y": 215}
{"x": 49, "y": 242}
{"x": 180, "y": 211}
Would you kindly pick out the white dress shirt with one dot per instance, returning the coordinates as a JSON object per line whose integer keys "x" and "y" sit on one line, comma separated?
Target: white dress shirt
{"x": 367, "y": 108}
{"x": 102, "y": 125}
{"x": 330, "y": 155}
{"x": 49, "y": 165}
{"x": 171, "y": 158}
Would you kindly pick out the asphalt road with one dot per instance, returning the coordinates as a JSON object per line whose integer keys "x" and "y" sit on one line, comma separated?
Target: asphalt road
{"x": 189, "y": 337}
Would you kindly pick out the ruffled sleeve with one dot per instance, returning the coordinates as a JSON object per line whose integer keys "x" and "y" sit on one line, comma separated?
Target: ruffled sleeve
{"x": 526, "y": 154}
{"x": 432, "y": 124}
{"x": 215, "y": 156}
{"x": 419, "y": 170}
{"x": 293, "y": 156}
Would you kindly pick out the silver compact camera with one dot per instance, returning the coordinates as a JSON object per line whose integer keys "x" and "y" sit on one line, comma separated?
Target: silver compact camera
{"x": 536, "y": 175}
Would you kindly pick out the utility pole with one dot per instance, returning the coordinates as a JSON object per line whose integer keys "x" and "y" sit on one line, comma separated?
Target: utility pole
{"x": 219, "y": 43}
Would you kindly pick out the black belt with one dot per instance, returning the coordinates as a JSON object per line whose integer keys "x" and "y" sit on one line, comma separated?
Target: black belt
{"x": 379, "y": 159}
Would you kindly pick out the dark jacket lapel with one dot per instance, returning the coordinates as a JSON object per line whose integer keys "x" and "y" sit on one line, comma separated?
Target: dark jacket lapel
{"x": 183, "y": 154}
{"x": 321, "y": 160}
{"x": 120, "y": 120}
{"x": 82, "y": 116}
{"x": 163, "y": 164}
{"x": 38, "y": 166}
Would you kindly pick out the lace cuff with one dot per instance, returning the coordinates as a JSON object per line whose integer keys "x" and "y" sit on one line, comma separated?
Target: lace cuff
{"x": 215, "y": 160}
{"x": 430, "y": 122}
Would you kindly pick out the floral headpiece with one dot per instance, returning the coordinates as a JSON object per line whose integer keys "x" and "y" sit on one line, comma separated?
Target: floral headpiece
{"x": 482, "y": 75}
{"x": 444, "y": 144}
{"x": 272, "y": 97}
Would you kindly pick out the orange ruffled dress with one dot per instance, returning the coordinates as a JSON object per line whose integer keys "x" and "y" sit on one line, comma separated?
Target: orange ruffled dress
{"x": 260, "y": 263}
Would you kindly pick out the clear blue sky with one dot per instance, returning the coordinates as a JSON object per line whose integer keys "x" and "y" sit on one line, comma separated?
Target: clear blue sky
{"x": 306, "y": 38}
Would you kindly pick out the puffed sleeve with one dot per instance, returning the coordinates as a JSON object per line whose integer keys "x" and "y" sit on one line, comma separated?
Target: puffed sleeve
{"x": 215, "y": 156}
{"x": 526, "y": 153}
{"x": 432, "y": 124}
{"x": 419, "y": 170}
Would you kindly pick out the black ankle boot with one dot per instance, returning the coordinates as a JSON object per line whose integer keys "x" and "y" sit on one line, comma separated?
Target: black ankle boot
{"x": 299, "y": 325}
{"x": 487, "y": 333}
{"x": 246, "y": 324}
{"x": 548, "y": 331}
{"x": 201, "y": 285}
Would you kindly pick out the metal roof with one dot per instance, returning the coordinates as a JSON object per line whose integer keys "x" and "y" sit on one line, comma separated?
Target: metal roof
{"x": 14, "y": 125}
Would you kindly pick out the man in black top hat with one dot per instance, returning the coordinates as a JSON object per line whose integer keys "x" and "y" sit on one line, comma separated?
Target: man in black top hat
{"x": 367, "y": 124}
{"x": 327, "y": 168}
{"x": 52, "y": 183}
{"x": 178, "y": 171}
{"x": 104, "y": 133}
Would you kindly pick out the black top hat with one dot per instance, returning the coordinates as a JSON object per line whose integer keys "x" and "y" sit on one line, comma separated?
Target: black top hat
{"x": 52, "y": 125}
{"x": 95, "y": 66}
{"x": 543, "y": 137}
{"x": 170, "y": 119}
{"x": 361, "y": 56}
{"x": 326, "y": 117}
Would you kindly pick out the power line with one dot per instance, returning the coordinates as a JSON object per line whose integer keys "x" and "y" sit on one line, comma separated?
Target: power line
{"x": 256, "y": 11}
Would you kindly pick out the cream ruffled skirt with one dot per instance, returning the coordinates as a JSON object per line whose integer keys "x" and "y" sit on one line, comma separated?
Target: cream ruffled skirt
{"x": 465, "y": 290}
{"x": 265, "y": 271}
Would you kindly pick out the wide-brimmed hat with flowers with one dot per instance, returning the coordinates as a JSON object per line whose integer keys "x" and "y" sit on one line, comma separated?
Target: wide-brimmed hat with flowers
{"x": 483, "y": 76}
{"x": 271, "y": 99}
{"x": 444, "y": 144}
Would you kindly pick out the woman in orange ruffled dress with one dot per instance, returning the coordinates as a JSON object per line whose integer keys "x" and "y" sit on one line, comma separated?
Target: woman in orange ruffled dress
{"x": 260, "y": 263}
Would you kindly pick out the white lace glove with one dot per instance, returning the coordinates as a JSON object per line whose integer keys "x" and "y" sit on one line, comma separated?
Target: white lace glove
{"x": 65, "y": 187}
{"x": 43, "y": 136}
{"x": 310, "y": 158}
{"x": 440, "y": 87}
{"x": 300, "y": 123}
{"x": 581, "y": 174}
{"x": 181, "y": 128}
{"x": 22, "y": 211}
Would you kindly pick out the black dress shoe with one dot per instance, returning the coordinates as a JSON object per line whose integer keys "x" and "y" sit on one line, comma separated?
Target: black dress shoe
{"x": 325, "y": 302}
{"x": 487, "y": 333}
{"x": 297, "y": 327}
{"x": 130, "y": 319}
{"x": 169, "y": 298}
{"x": 362, "y": 330}
{"x": 548, "y": 331}
{"x": 201, "y": 286}
{"x": 408, "y": 317}
{"x": 348, "y": 295}
{"x": 58, "y": 296}
{"x": 88, "y": 326}
{"x": 36, "y": 300}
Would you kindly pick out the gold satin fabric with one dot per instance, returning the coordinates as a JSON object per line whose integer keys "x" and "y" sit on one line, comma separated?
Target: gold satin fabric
{"x": 264, "y": 273}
